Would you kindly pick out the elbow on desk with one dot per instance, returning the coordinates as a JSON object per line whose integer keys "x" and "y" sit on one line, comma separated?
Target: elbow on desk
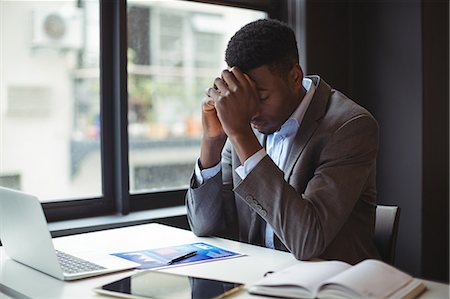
{"x": 306, "y": 254}
{"x": 200, "y": 232}
{"x": 200, "y": 229}
{"x": 204, "y": 225}
{"x": 218, "y": 230}
{"x": 308, "y": 247}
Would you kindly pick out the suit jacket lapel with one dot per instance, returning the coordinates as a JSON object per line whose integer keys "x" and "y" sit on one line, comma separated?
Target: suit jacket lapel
{"x": 310, "y": 122}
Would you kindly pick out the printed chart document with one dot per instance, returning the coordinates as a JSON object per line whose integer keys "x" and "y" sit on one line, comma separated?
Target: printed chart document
{"x": 371, "y": 279}
{"x": 169, "y": 256}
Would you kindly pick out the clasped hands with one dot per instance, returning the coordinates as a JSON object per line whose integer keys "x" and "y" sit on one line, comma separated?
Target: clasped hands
{"x": 230, "y": 105}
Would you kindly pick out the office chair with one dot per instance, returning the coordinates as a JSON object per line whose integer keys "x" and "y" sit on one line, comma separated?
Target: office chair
{"x": 386, "y": 227}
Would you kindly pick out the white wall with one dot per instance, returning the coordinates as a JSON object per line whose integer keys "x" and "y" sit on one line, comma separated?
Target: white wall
{"x": 35, "y": 146}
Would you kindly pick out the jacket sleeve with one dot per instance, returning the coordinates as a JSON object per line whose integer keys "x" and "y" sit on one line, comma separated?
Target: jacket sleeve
{"x": 211, "y": 208}
{"x": 307, "y": 223}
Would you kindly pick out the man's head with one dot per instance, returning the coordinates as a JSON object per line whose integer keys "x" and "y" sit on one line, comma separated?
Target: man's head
{"x": 266, "y": 50}
{"x": 263, "y": 42}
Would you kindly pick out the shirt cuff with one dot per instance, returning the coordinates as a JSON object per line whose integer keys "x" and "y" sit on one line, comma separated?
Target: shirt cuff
{"x": 250, "y": 163}
{"x": 207, "y": 173}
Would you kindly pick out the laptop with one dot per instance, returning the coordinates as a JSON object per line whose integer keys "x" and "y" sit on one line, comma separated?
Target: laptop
{"x": 26, "y": 239}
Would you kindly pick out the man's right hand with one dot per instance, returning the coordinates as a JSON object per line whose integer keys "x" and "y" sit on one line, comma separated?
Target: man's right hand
{"x": 214, "y": 136}
{"x": 212, "y": 128}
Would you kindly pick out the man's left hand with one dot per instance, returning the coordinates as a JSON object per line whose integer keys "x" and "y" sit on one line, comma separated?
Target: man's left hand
{"x": 236, "y": 101}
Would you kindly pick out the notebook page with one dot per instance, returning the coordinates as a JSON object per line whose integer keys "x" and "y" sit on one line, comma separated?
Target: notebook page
{"x": 372, "y": 279}
{"x": 308, "y": 275}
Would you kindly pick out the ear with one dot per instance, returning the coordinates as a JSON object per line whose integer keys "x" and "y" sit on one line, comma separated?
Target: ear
{"x": 296, "y": 76}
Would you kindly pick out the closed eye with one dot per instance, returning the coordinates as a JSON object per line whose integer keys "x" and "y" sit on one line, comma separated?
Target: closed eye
{"x": 264, "y": 97}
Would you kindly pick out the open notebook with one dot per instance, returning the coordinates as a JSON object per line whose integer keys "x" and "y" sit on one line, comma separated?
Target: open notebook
{"x": 334, "y": 279}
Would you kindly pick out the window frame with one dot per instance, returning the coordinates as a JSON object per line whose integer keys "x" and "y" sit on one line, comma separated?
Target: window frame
{"x": 114, "y": 143}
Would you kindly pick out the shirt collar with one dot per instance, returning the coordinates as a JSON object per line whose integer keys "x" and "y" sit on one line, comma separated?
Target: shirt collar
{"x": 299, "y": 113}
{"x": 289, "y": 128}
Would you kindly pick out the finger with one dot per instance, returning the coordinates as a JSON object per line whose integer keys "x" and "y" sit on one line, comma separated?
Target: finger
{"x": 208, "y": 101}
{"x": 252, "y": 84}
{"x": 221, "y": 85}
{"x": 242, "y": 78}
{"x": 208, "y": 104}
{"x": 230, "y": 79}
{"x": 212, "y": 93}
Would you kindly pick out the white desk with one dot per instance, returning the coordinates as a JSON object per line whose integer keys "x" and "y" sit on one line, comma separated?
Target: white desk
{"x": 247, "y": 269}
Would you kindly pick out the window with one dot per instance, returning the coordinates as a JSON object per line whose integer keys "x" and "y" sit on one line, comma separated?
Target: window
{"x": 50, "y": 98}
{"x": 175, "y": 50}
{"x": 93, "y": 123}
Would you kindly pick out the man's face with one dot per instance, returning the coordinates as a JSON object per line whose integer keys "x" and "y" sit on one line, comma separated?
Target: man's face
{"x": 279, "y": 97}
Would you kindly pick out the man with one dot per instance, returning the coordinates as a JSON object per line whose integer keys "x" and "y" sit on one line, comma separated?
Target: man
{"x": 286, "y": 162}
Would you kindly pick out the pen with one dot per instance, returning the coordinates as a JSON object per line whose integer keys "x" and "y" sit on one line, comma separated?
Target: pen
{"x": 183, "y": 257}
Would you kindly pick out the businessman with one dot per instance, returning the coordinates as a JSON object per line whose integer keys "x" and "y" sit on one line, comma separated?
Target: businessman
{"x": 286, "y": 161}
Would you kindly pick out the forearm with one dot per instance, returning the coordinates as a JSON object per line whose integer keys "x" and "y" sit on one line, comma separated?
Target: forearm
{"x": 210, "y": 150}
{"x": 245, "y": 144}
{"x": 211, "y": 206}
{"x": 204, "y": 205}
{"x": 293, "y": 218}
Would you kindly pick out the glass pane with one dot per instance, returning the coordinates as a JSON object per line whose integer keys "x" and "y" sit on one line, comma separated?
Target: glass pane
{"x": 49, "y": 98}
{"x": 175, "y": 50}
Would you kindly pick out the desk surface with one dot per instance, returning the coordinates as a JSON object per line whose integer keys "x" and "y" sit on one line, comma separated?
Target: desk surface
{"x": 17, "y": 280}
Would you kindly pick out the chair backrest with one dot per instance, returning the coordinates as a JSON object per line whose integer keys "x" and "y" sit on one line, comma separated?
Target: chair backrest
{"x": 386, "y": 227}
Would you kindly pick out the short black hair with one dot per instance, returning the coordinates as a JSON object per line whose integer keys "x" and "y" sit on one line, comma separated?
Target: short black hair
{"x": 263, "y": 42}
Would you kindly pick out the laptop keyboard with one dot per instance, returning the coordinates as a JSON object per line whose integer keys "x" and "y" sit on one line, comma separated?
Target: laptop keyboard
{"x": 72, "y": 264}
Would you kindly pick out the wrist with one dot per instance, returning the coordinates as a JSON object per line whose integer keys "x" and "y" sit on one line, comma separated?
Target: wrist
{"x": 216, "y": 139}
{"x": 241, "y": 135}
{"x": 211, "y": 150}
{"x": 246, "y": 144}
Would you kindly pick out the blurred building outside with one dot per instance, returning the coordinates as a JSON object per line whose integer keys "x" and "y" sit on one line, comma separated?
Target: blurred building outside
{"x": 50, "y": 93}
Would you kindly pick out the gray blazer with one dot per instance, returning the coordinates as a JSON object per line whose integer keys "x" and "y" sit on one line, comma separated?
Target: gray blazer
{"x": 321, "y": 205}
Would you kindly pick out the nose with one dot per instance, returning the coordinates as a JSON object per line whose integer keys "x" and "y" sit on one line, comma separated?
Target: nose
{"x": 256, "y": 115}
